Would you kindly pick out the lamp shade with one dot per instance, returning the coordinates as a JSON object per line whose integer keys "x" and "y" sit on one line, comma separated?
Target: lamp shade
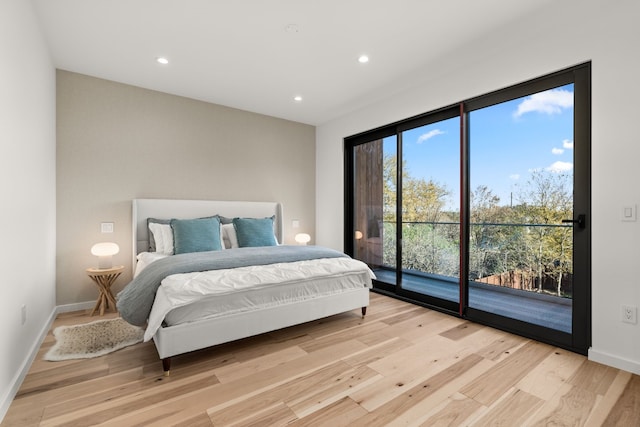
{"x": 302, "y": 238}
{"x": 104, "y": 251}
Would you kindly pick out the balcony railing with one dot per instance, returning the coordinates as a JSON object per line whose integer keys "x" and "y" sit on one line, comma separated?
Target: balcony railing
{"x": 532, "y": 257}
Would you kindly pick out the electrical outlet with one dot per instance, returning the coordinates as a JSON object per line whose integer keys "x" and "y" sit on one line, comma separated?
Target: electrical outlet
{"x": 23, "y": 311}
{"x": 629, "y": 213}
{"x": 629, "y": 314}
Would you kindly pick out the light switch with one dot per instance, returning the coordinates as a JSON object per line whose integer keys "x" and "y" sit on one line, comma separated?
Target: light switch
{"x": 295, "y": 223}
{"x": 106, "y": 227}
{"x": 629, "y": 213}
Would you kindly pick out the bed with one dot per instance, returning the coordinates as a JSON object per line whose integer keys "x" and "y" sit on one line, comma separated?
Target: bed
{"x": 273, "y": 287}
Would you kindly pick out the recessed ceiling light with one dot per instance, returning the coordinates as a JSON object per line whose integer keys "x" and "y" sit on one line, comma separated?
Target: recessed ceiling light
{"x": 297, "y": 98}
{"x": 363, "y": 59}
{"x": 162, "y": 60}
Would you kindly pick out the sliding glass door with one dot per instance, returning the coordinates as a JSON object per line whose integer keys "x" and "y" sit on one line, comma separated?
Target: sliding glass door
{"x": 481, "y": 209}
{"x": 521, "y": 191}
{"x": 405, "y": 198}
{"x": 431, "y": 208}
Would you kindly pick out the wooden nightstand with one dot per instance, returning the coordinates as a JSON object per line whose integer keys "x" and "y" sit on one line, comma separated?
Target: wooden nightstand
{"x": 104, "y": 278}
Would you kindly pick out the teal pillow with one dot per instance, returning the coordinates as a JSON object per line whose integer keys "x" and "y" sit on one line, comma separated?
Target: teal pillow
{"x": 254, "y": 232}
{"x": 196, "y": 235}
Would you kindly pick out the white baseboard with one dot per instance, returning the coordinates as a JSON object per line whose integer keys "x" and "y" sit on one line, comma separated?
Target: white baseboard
{"x": 632, "y": 366}
{"x": 75, "y": 307}
{"x": 17, "y": 380}
{"x": 24, "y": 368}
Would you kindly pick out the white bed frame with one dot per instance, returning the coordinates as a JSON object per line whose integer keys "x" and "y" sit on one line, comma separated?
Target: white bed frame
{"x": 183, "y": 338}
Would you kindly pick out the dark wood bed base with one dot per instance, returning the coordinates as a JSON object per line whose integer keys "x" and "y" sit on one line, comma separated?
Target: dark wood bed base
{"x": 166, "y": 362}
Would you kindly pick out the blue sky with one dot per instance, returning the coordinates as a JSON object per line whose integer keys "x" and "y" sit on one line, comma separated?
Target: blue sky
{"x": 507, "y": 141}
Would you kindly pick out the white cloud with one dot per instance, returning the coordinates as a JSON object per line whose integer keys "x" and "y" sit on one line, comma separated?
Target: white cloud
{"x": 559, "y": 167}
{"x": 567, "y": 144}
{"x": 429, "y": 135}
{"x": 514, "y": 177}
{"x": 548, "y": 102}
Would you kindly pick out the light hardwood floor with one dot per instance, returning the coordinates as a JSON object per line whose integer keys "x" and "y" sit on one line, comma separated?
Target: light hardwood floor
{"x": 400, "y": 365}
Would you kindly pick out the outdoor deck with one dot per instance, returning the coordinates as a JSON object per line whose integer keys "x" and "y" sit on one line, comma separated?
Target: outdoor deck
{"x": 544, "y": 310}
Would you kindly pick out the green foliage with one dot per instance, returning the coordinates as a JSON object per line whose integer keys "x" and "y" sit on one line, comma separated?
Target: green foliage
{"x": 422, "y": 201}
{"x": 524, "y": 241}
{"x": 432, "y": 248}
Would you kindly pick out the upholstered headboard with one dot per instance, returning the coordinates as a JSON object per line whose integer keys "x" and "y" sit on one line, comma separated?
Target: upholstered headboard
{"x": 184, "y": 209}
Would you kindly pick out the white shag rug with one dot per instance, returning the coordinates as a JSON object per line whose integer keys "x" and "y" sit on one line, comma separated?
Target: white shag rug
{"x": 93, "y": 339}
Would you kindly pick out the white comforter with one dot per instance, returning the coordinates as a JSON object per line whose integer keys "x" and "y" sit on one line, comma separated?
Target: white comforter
{"x": 179, "y": 290}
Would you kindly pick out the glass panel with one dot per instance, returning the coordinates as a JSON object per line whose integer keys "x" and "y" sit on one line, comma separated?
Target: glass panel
{"x": 375, "y": 207}
{"x": 430, "y": 209}
{"x": 521, "y": 181}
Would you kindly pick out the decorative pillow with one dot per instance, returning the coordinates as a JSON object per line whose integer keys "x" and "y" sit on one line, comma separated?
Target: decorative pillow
{"x": 163, "y": 238}
{"x": 254, "y": 232}
{"x": 229, "y": 236}
{"x": 196, "y": 235}
{"x": 152, "y": 241}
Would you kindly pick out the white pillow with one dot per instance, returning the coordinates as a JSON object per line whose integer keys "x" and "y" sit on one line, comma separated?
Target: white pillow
{"x": 223, "y": 243}
{"x": 163, "y": 235}
{"x": 229, "y": 234}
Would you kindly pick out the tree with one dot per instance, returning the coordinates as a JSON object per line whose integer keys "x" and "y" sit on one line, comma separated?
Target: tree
{"x": 546, "y": 201}
{"x": 422, "y": 201}
{"x": 482, "y": 235}
{"x": 427, "y": 246}
{"x": 524, "y": 243}
{"x": 390, "y": 186}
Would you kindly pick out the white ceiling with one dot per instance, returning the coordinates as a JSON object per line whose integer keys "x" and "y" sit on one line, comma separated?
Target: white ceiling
{"x": 238, "y": 53}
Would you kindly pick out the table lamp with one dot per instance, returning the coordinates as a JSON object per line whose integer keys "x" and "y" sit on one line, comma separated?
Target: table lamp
{"x": 104, "y": 251}
{"x": 302, "y": 238}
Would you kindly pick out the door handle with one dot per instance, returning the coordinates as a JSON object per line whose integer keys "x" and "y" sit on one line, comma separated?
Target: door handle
{"x": 581, "y": 221}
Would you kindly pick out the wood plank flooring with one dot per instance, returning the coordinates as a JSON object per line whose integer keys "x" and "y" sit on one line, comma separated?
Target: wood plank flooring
{"x": 400, "y": 365}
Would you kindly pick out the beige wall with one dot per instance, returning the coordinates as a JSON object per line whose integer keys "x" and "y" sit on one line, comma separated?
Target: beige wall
{"x": 117, "y": 142}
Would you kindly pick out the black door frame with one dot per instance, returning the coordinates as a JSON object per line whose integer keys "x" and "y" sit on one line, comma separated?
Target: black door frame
{"x": 580, "y": 339}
